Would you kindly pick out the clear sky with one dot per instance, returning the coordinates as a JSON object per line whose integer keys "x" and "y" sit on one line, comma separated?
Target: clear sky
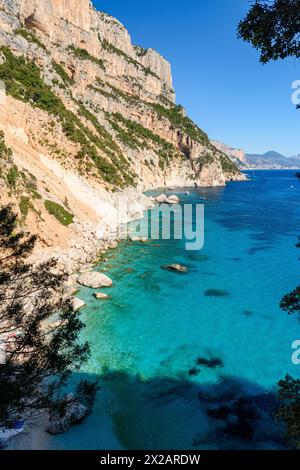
{"x": 217, "y": 77}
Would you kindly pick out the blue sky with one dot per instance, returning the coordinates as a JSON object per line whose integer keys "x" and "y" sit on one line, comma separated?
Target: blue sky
{"x": 217, "y": 77}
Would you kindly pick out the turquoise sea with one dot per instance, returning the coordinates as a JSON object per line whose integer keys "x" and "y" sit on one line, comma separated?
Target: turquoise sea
{"x": 146, "y": 340}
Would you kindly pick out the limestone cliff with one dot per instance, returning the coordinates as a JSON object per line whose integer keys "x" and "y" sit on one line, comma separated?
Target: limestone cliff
{"x": 89, "y": 114}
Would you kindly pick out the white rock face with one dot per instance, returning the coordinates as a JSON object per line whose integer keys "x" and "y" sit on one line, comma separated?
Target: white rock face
{"x": 230, "y": 151}
{"x": 95, "y": 280}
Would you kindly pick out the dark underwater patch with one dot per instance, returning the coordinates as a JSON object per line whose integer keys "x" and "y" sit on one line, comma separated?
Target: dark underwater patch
{"x": 248, "y": 313}
{"x": 216, "y": 293}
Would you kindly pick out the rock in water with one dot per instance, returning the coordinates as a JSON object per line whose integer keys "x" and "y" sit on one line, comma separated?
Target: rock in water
{"x": 75, "y": 412}
{"x": 164, "y": 199}
{"x": 161, "y": 199}
{"x": 173, "y": 199}
{"x": 216, "y": 293}
{"x": 101, "y": 296}
{"x": 77, "y": 304}
{"x": 176, "y": 267}
{"x": 95, "y": 280}
{"x": 210, "y": 363}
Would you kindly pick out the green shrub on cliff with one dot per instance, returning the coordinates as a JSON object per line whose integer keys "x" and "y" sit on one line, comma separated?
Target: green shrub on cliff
{"x": 24, "y": 82}
{"x": 181, "y": 122}
{"x": 227, "y": 165}
{"x": 83, "y": 54}
{"x": 5, "y": 152}
{"x": 59, "y": 212}
{"x": 24, "y": 206}
{"x": 135, "y": 135}
{"x": 115, "y": 50}
{"x": 62, "y": 73}
{"x": 12, "y": 176}
{"x": 30, "y": 37}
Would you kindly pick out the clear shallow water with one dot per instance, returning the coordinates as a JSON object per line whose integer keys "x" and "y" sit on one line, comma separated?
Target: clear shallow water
{"x": 146, "y": 339}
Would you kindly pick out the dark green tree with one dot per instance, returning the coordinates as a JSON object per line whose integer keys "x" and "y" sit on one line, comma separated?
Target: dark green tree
{"x": 41, "y": 355}
{"x": 273, "y": 28}
{"x": 289, "y": 410}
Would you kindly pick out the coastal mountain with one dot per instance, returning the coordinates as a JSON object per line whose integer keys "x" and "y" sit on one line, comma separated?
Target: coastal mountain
{"x": 269, "y": 160}
{"x": 272, "y": 160}
{"x": 237, "y": 156}
{"x": 89, "y": 116}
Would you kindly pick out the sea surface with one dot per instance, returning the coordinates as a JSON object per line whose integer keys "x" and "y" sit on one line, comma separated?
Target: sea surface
{"x": 146, "y": 340}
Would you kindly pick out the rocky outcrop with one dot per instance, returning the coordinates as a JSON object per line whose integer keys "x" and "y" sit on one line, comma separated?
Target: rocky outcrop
{"x": 164, "y": 199}
{"x": 77, "y": 304}
{"x": 99, "y": 127}
{"x": 176, "y": 267}
{"x": 230, "y": 151}
{"x": 101, "y": 296}
{"x": 74, "y": 413}
{"x": 95, "y": 280}
{"x": 237, "y": 156}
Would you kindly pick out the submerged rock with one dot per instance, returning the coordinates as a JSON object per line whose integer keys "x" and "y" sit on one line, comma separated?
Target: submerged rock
{"x": 210, "y": 363}
{"x": 248, "y": 313}
{"x": 222, "y": 412}
{"x": 242, "y": 429}
{"x": 95, "y": 280}
{"x": 176, "y": 267}
{"x": 216, "y": 293}
{"x": 193, "y": 372}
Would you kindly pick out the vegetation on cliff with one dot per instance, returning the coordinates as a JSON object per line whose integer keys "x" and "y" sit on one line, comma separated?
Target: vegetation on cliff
{"x": 59, "y": 212}
{"x": 24, "y": 82}
{"x": 83, "y": 54}
{"x": 176, "y": 116}
{"x": 135, "y": 135}
{"x": 115, "y": 50}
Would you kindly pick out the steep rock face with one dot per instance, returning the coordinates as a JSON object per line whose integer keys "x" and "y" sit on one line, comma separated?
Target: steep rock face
{"x": 47, "y": 13}
{"x": 88, "y": 113}
{"x": 230, "y": 151}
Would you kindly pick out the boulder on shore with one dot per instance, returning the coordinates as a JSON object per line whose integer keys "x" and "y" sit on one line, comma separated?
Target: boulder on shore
{"x": 133, "y": 238}
{"x": 75, "y": 412}
{"x": 77, "y": 304}
{"x": 173, "y": 199}
{"x": 95, "y": 280}
{"x": 176, "y": 267}
{"x": 164, "y": 199}
{"x": 71, "y": 291}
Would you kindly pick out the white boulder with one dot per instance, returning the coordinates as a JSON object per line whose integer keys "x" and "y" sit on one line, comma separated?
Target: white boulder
{"x": 94, "y": 280}
{"x": 77, "y": 304}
